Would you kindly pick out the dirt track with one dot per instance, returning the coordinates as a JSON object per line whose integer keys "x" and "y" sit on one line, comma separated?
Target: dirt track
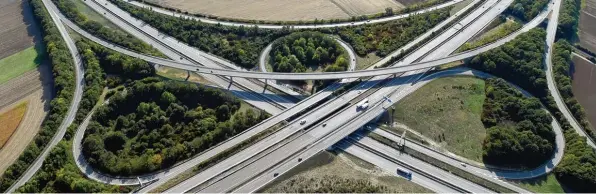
{"x": 283, "y": 10}
{"x": 17, "y": 30}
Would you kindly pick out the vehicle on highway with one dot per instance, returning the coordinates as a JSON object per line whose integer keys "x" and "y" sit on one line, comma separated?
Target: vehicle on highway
{"x": 325, "y": 124}
{"x": 364, "y": 104}
{"x": 463, "y": 164}
{"x": 303, "y": 121}
{"x": 275, "y": 174}
{"x": 404, "y": 173}
{"x": 300, "y": 159}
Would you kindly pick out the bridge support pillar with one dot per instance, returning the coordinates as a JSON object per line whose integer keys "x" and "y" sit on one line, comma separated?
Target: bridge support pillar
{"x": 188, "y": 76}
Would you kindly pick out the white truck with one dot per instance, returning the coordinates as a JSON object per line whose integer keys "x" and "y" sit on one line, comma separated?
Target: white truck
{"x": 364, "y": 104}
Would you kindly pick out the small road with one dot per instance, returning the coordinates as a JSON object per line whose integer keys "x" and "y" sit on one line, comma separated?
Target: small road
{"x": 74, "y": 105}
{"x": 310, "y": 26}
{"x": 552, "y": 28}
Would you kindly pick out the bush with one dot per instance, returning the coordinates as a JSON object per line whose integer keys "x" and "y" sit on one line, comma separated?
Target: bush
{"x": 299, "y": 51}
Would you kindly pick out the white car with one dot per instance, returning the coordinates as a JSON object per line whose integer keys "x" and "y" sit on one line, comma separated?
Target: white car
{"x": 303, "y": 121}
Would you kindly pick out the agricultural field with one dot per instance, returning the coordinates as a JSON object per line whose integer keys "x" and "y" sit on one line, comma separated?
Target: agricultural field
{"x": 583, "y": 86}
{"x": 586, "y": 25}
{"x": 448, "y": 111}
{"x": 10, "y": 121}
{"x": 18, "y": 29}
{"x": 327, "y": 170}
{"x": 287, "y": 10}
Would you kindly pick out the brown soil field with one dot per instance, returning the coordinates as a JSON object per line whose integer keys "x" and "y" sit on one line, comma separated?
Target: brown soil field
{"x": 286, "y": 10}
{"x": 583, "y": 86}
{"x": 586, "y": 26}
{"x": 10, "y": 121}
{"x": 18, "y": 29}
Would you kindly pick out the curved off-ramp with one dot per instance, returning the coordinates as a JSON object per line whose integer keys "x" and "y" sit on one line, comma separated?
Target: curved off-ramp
{"x": 276, "y": 26}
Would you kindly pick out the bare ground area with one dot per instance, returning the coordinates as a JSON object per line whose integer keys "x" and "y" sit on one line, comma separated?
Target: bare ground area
{"x": 286, "y": 10}
{"x": 35, "y": 88}
{"x": 339, "y": 166}
{"x": 10, "y": 120}
{"x": 586, "y": 26}
{"x": 18, "y": 29}
{"x": 583, "y": 86}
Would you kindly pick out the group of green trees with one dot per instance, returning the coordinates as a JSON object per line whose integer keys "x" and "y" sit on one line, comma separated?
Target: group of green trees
{"x": 568, "y": 19}
{"x": 299, "y": 51}
{"x": 519, "y": 133}
{"x": 526, "y": 10}
{"x": 520, "y": 61}
{"x": 69, "y": 9}
{"x": 64, "y": 86}
{"x": 387, "y": 37}
{"x": 155, "y": 124}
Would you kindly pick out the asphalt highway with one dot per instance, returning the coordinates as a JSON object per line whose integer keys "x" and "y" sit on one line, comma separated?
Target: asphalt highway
{"x": 311, "y": 26}
{"x": 72, "y": 110}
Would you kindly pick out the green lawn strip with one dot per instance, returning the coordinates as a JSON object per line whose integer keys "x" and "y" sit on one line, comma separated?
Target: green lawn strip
{"x": 500, "y": 31}
{"x": 19, "y": 63}
{"x": 93, "y": 15}
{"x": 542, "y": 184}
{"x": 447, "y": 110}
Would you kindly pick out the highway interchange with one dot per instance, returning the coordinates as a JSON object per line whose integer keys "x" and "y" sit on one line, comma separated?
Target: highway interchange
{"x": 253, "y": 167}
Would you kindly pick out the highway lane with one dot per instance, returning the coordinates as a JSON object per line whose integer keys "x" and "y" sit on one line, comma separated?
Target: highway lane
{"x": 391, "y": 167}
{"x": 273, "y": 26}
{"x": 417, "y": 164}
{"x": 72, "y": 110}
{"x": 552, "y": 27}
{"x": 181, "y": 52}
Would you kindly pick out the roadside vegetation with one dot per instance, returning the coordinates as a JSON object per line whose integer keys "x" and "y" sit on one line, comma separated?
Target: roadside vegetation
{"x": 64, "y": 86}
{"x": 447, "y": 110}
{"x": 526, "y": 10}
{"x": 242, "y": 45}
{"x": 156, "y": 124}
{"x": 521, "y": 62}
{"x": 10, "y": 122}
{"x": 21, "y": 62}
{"x": 508, "y": 26}
{"x": 69, "y": 9}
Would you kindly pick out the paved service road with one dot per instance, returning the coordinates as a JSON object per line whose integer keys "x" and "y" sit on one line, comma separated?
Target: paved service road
{"x": 272, "y": 26}
{"x": 72, "y": 110}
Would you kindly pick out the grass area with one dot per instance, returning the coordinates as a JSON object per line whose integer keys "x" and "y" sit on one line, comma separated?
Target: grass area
{"x": 181, "y": 75}
{"x": 459, "y": 6}
{"x": 10, "y": 121}
{"x": 21, "y": 62}
{"x": 543, "y": 184}
{"x": 500, "y": 31}
{"x": 93, "y": 15}
{"x": 332, "y": 172}
{"x": 366, "y": 61}
{"x": 447, "y": 110}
